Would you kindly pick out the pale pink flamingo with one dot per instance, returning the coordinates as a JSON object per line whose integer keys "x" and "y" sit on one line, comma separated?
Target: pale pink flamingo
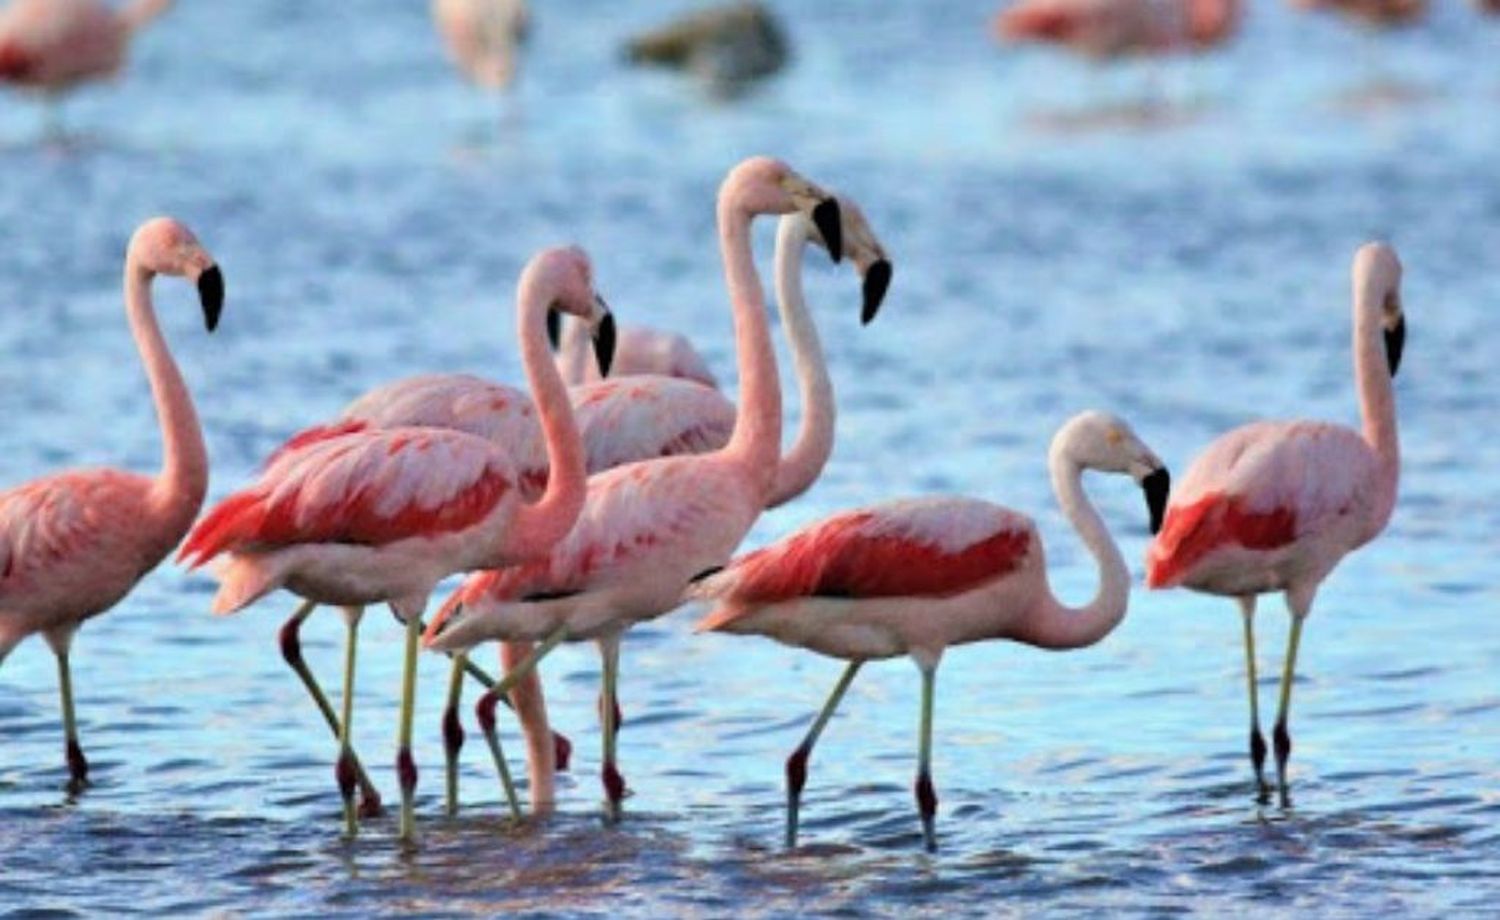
{"x": 915, "y": 576}
{"x": 1381, "y": 14}
{"x": 1106, "y": 29}
{"x": 1274, "y": 506}
{"x": 72, "y": 545}
{"x": 483, "y": 37}
{"x": 648, "y": 528}
{"x": 381, "y": 516}
{"x": 641, "y": 350}
{"x": 638, "y": 418}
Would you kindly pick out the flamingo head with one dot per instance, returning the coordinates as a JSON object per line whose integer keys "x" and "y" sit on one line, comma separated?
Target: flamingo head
{"x": 163, "y": 246}
{"x": 1377, "y": 284}
{"x": 765, "y": 185}
{"x": 867, "y": 255}
{"x": 567, "y": 277}
{"x": 1101, "y": 441}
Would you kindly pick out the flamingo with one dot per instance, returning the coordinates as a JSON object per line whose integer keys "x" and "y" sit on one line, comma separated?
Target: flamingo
{"x": 637, "y": 418}
{"x": 1380, "y": 14}
{"x": 73, "y": 544}
{"x": 483, "y": 37}
{"x": 914, "y": 576}
{"x": 380, "y": 516}
{"x": 1106, "y": 29}
{"x": 1274, "y": 506}
{"x": 641, "y": 350}
{"x": 648, "y": 528}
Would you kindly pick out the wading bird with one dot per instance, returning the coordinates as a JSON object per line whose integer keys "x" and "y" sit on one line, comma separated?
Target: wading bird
{"x": 640, "y": 351}
{"x": 648, "y": 528}
{"x": 1274, "y": 506}
{"x": 1380, "y": 14}
{"x": 915, "y": 576}
{"x": 1105, "y": 29}
{"x": 484, "y": 37}
{"x": 72, "y": 545}
{"x": 381, "y": 516}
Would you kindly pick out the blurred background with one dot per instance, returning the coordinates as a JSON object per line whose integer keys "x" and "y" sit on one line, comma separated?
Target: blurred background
{"x": 1167, "y": 238}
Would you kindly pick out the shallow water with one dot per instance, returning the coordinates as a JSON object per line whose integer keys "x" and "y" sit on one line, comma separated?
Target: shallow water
{"x": 1055, "y": 249}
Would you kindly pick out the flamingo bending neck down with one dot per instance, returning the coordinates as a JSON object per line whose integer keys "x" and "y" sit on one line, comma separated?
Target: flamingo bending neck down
{"x": 914, "y": 577}
{"x": 73, "y": 544}
{"x": 381, "y": 516}
{"x": 648, "y": 528}
{"x": 1274, "y": 506}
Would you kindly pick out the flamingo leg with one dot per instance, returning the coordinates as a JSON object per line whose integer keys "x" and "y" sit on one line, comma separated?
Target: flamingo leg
{"x": 406, "y": 767}
{"x": 346, "y": 771}
{"x": 484, "y": 711}
{"x": 926, "y": 794}
{"x": 78, "y": 765}
{"x": 796, "y": 764}
{"x": 561, "y": 745}
{"x": 1281, "y": 737}
{"x": 453, "y": 733}
{"x": 291, "y": 651}
{"x": 1257, "y": 740}
{"x": 614, "y": 783}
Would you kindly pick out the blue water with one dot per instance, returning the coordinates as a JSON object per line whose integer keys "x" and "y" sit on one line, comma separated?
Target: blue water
{"x": 1055, "y": 250}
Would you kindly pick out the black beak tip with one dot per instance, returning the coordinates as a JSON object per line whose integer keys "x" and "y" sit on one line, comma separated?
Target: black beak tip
{"x": 604, "y": 344}
{"x": 877, "y": 282}
{"x": 1395, "y": 343}
{"x": 830, "y": 223}
{"x": 211, "y": 295}
{"x": 554, "y": 329}
{"x": 1158, "y": 487}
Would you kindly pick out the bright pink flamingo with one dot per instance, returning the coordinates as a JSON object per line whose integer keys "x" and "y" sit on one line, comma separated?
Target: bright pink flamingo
{"x": 381, "y": 516}
{"x": 643, "y": 417}
{"x": 913, "y": 577}
{"x": 648, "y": 528}
{"x": 641, "y": 350}
{"x": 72, "y": 545}
{"x": 1274, "y": 506}
{"x": 483, "y": 37}
{"x": 1383, "y": 14}
{"x": 1120, "y": 28}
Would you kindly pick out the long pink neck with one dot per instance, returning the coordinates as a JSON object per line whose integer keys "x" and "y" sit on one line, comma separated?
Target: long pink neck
{"x": 540, "y": 524}
{"x": 179, "y": 489}
{"x": 800, "y": 465}
{"x": 1377, "y": 399}
{"x": 574, "y": 353}
{"x": 756, "y": 441}
{"x": 1053, "y": 624}
{"x": 139, "y": 13}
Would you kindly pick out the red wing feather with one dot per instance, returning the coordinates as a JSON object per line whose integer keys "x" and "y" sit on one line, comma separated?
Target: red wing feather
{"x": 1193, "y": 531}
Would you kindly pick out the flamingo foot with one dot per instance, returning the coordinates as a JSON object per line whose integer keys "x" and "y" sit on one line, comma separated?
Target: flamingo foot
{"x": 1283, "y": 741}
{"x": 927, "y": 808}
{"x": 406, "y": 775}
{"x": 78, "y": 768}
{"x": 453, "y": 743}
{"x": 796, "y": 779}
{"x": 348, "y": 780}
{"x": 369, "y": 804}
{"x": 1258, "y": 761}
{"x": 614, "y": 791}
{"x": 290, "y": 640}
{"x": 562, "y": 751}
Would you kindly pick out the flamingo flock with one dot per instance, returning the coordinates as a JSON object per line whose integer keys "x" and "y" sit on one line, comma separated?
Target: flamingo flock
{"x": 579, "y": 510}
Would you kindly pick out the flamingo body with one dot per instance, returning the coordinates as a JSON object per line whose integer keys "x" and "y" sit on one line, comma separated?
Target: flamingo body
{"x": 639, "y": 351}
{"x": 640, "y": 418}
{"x": 1119, "y": 28}
{"x": 54, "y": 45}
{"x": 1375, "y": 13}
{"x": 483, "y": 37}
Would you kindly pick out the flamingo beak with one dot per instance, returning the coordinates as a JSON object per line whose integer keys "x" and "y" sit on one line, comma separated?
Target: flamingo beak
{"x": 211, "y": 295}
{"x": 1395, "y": 343}
{"x": 447, "y": 616}
{"x": 554, "y": 329}
{"x": 1158, "y": 486}
{"x": 604, "y": 341}
{"x": 877, "y": 281}
{"x": 830, "y": 223}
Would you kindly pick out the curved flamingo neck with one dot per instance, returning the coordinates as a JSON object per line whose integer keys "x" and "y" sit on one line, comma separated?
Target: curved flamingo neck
{"x": 801, "y": 464}
{"x": 756, "y": 441}
{"x": 1377, "y": 398}
{"x": 538, "y": 525}
{"x": 184, "y": 475}
{"x": 1054, "y": 624}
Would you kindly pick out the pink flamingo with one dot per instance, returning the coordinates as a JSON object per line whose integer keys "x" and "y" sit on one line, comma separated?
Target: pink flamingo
{"x": 638, "y": 418}
{"x": 641, "y": 350}
{"x": 648, "y": 528}
{"x": 1119, "y": 28}
{"x": 1274, "y": 506}
{"x": 381, "y": 516}
{"x": 72, "y": 545}
{"x": 913, "y": 577}
{"x": 483, "y": 37}
{"x": 1382, "y": 14}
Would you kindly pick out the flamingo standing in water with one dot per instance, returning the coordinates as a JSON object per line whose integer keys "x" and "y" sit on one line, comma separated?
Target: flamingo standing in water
{"x": 1108, "y": 29}
{"x": 1380, "y": 14}
{"x": 1274, "y": 506}
{"x": 483, "y": 37}
{"x": 913, "y": 577}
{"x": 72, "y": 545}
{"x": 381, "y": 516}
{"x": 638, "y": 418}
{"x": 648, "y": 528}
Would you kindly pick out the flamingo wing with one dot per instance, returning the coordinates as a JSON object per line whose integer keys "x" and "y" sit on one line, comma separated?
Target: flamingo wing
{"x": 626, "y": 419}
{"x": 1263, "y": 486}
{"x": 369, "y": 487}
{"x": 931, "y": 547}
{"x": 47, "y": 520}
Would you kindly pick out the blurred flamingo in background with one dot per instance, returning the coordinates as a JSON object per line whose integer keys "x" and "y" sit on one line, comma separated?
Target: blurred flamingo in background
{"x": 52, "y": 46}
{"x": 1383, "y": 14}
{"x": 640, "y": 350}
{"x": 648, "y": 528}
{"x": 72, "y": 545}
{"x": 1274, "y": 506}
{"x": 483, "y": 37}
{"x": 381, "y": 516}
{"x": 1109, "y": 29}
{"x": 913, "y": 577}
